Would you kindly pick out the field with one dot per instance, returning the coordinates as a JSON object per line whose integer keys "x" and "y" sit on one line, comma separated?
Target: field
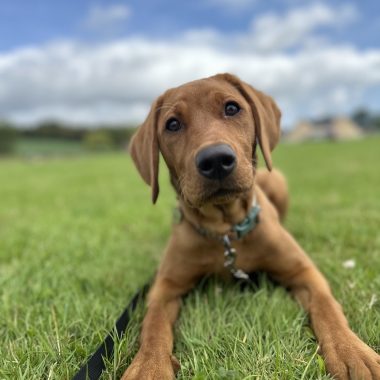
{"x": 78, "y": 236}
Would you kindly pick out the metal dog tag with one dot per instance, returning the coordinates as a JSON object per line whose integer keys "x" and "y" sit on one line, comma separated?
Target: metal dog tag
{"x": 229, "y": 260}
{"x": 239, "y": 274}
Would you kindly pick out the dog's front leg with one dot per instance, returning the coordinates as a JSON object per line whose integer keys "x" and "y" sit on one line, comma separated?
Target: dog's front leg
{"x": 346, "y": 356}
{"x": 154, "y": 359}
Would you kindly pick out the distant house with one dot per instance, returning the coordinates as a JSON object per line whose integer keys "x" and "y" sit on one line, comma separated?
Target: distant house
{"x": 339, "y": 128}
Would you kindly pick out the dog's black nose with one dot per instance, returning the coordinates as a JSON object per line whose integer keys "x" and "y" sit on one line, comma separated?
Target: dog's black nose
{"x": 216, "y": 161}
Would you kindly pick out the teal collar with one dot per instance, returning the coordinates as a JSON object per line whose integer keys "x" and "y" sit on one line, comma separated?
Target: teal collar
{"x": 239, "y": 230}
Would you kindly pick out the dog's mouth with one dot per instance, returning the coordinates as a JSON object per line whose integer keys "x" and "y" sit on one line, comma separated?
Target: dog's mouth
{"x": 205, "y": 192}
{"x": 223, "y": 195}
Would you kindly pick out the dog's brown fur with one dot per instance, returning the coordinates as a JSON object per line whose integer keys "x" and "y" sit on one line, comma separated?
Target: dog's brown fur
{"x": 269, "y": 247}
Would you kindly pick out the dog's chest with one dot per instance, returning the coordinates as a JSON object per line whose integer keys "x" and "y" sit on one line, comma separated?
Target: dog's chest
{"x": 215, "y": 258}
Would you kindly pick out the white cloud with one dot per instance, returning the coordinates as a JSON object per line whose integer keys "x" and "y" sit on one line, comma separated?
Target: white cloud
{"x": 86, "y": 115}
{"x": 273, "y": 31}
{"x": 116, "y": 81}
{"x": 105, "y": 17}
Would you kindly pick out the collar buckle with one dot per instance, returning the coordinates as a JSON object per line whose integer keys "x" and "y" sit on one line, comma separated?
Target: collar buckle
{"x": 248, "y": 224}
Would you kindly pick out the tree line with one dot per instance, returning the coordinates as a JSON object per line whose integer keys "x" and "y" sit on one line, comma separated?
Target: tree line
{"x": 105, "y": 137}
{"x": 101, "y": 137}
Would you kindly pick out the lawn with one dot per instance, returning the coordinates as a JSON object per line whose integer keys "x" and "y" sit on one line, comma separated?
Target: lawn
{"x": 78, "y": 236}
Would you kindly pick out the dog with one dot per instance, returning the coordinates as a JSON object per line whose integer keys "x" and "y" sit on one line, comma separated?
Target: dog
{"x": 208, "y": 132}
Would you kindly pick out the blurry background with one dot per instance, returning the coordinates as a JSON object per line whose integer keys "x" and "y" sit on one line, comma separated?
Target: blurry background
{"x": 70, "y": 67}
{"x": 78, "y": 234}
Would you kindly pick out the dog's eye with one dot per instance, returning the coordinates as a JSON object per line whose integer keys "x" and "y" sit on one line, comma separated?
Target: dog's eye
{"x": 231, "y": 108}
{"x": 173, "y": 125}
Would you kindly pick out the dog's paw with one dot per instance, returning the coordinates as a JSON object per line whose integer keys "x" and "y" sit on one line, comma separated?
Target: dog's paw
{"x": 351, "y": 359}
{"x": 152, "y": 366}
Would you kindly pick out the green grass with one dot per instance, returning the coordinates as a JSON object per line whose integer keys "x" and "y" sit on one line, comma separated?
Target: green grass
{"x": 78, "y": 236}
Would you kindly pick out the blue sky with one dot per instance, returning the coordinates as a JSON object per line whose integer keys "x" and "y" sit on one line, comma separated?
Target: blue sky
{"x": 34, "y": 22}
{"x": 105, "y": 61}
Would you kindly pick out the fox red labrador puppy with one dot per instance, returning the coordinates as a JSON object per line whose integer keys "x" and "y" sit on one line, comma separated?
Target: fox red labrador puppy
{"x": 207, "y": 132}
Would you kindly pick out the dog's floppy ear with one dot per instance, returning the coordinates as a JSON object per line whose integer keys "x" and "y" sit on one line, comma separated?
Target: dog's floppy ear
{"x": 145, "y": 151}
{"x": 265, "y": 113}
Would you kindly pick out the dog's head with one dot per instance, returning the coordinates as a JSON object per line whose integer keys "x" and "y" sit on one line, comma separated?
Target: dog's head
{"x": 207, "y": 131}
